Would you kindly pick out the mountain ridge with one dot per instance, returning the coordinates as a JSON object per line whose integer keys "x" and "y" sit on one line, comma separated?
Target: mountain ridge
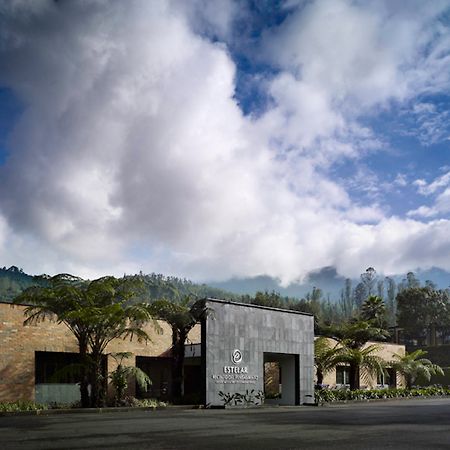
{"x": 14, "y": 280}
{"x": 327, "y": 279}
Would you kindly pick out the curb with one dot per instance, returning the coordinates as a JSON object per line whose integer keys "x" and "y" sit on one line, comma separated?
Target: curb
{"x": 121, "y": 409}
{"x": 107, "y": 410}
{"x": 379, "y": 400}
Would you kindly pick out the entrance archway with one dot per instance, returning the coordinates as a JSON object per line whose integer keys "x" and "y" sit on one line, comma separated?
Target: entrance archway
{"x": 281, "y": 379}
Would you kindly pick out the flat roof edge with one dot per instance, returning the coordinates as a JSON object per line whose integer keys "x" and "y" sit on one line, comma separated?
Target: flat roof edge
{"x": 250, "y": 305}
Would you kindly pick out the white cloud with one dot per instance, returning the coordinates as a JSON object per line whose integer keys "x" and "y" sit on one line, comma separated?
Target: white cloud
{"x": 432, "y": 125}
{"x": 419, "y": 183}
{"x": 401, "y": 180}
{"x": 424, "y": 108}
{"x": 425, "y": 188}
{"x": 365, "y": 214}
{"x": 441, "y": 201}
{"x": 397, "y": 245}
{"x": 422, "y": 211}
{"x": 214, "y": 18}
{"x": 341, "y": 60}
{"x": 360, "y": 54}
{"x": 132, "y": 152}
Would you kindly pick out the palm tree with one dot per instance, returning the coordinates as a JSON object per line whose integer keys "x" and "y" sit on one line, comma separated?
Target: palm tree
{"x": 412, "y": 366}
{"x": 111, "y": 315}
{"x": 181, "y": 317}
{"x": 326, "y": 357}
{"x": 353, "y": 336}
{"x": 362, "y": 362}
{"x": 120, "y": 376}
{"x": 59, "y": 298}
{"x": 356, "y": 333}
{"x": 96, "y": 312}
{"x": 374, "y": 310}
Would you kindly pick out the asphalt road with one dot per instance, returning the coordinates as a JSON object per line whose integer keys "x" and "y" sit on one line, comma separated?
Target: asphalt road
{"x": 406, "y": 424}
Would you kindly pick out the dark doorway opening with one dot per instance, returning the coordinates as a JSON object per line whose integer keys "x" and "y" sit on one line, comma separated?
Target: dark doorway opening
{"x": 281, "y": 379}
{"x": 159, "y": 370}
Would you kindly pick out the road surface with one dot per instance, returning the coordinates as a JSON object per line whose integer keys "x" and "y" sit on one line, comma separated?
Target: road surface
{"x": 398, "y": 424}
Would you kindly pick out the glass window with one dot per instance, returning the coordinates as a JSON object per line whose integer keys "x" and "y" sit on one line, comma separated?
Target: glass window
{"x": 387, "y": 379}
{"x": 342, "y": 375}
{"x": 60, "y": 367}
{"x": 57, "y": 367}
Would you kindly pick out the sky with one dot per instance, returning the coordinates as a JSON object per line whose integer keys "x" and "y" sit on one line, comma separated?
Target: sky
{"x": 213, "y": 139}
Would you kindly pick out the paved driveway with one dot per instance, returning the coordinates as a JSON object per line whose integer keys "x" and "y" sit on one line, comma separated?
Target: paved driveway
{"x": 407, "y": 424}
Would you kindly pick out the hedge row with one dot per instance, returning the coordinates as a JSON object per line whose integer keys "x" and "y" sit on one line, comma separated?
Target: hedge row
{"x": 21, "y": 405}
{"x": 330, "y": 395}
{"x": 25, "y": 405}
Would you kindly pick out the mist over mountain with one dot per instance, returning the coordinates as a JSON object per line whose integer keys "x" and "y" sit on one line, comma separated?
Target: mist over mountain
{"x": 13, "y": 281}
{"x": 326, "y": 278}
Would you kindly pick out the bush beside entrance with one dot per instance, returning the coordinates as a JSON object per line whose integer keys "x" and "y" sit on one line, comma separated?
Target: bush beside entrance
{"x": 338, "y": 395}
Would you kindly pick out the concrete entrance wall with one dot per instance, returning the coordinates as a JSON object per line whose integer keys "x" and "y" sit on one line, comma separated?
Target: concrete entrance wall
{"x": 235, "y": 337}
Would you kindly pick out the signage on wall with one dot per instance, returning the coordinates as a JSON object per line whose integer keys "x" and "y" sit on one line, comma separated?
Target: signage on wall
{"x": 236, "y": 373}
{"x": 236, "y": 356}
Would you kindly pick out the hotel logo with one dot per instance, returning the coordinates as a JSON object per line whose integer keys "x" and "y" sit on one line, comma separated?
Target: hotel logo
{"x": 236, "y": 356}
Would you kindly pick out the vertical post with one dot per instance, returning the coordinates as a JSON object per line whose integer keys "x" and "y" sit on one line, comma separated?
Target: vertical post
{"x": 203, "y": 381}
{"x": 297, "y": 380}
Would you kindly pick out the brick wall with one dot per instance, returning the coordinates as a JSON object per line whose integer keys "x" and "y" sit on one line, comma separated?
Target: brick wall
{"x": 19, "y": 342}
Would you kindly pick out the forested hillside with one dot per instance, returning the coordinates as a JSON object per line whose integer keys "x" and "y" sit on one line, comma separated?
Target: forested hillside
{"x": 13, "y": 281}
{"x": 173, "y": 288}
{"x": 408, "y": 303}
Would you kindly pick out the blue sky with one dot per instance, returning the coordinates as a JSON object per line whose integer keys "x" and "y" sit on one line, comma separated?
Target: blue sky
{"x": 218, "y": 139}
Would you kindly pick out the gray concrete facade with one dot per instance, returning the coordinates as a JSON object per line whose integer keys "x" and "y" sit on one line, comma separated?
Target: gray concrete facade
{"x": 238, "y": 337}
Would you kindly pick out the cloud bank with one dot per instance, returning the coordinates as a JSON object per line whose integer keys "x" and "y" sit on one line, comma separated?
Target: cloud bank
{"x": 133, "y": 152}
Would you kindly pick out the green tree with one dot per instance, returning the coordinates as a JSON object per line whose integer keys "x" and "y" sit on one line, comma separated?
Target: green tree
{"x": 412, "y": 281}
{"x": 369, "y": 278}
{"x": 96, "y": 312}
{"x": 380, "y": 288}
{"x": 346, "y": 300}
{"x": 121, "y": 375}
{"x": 363, "y": 362}
{"x": 326, "y": 357}
{"x": 158, "y": 286}
{"x": 391, "y": 303}
{"x": 374, "y": 310}
{"x": 59, "y": 300}
{"x": 413, "y": 366}
{"x": 422, "y": 310}
{"x": 112, "y": 315}
{"x": 360, "y": 294}
{"x": 315, "y": 296}
{"x": 353, "y": 336}
{"x": 357, "y": 333}
{"x": 272, "y": 299}
{"x": 181, "y": 317}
